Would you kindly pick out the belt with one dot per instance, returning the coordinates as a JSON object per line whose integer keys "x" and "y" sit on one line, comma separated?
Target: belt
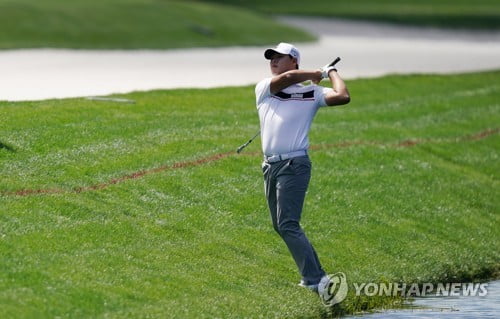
{"x": 284, "y": 156}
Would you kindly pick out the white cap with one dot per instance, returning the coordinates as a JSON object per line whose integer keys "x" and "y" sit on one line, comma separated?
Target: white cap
{"x": 283, "y": 48}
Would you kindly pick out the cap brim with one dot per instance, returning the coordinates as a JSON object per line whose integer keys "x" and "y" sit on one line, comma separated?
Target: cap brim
{"x": 268, "y": 54}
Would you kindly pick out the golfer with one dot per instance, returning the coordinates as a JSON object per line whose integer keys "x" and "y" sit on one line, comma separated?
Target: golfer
{"x": 286, "y": 109}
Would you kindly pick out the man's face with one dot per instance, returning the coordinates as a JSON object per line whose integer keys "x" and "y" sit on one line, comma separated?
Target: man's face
{"x": 280, "y": 63}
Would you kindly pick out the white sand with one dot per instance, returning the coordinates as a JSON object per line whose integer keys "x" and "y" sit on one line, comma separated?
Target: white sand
{"x": 366, "y": 49}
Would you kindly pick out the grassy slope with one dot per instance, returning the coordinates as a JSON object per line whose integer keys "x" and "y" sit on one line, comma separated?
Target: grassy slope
{"x": 480, "y": 14}
{"x": 197, "y": 242}
{"x": 164, "y": 24}
{"x": 134, "y": 24}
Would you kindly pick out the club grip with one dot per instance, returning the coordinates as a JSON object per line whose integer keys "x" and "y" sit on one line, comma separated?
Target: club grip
{"x": 334, "y": 61}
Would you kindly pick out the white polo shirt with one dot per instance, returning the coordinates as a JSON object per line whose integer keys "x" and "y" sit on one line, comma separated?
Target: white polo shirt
{"x": 286, "y": 117}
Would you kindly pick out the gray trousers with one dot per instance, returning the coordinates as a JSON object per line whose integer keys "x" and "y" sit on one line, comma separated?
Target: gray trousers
{"x": 285, "y": 184}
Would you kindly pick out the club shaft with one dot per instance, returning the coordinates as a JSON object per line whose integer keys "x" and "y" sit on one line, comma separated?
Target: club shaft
{"x": 249, "y": 141}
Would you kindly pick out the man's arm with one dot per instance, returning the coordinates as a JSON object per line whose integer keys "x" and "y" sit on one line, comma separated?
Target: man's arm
{"x": 284, "y": 80}
{"x": 339, "y": 95}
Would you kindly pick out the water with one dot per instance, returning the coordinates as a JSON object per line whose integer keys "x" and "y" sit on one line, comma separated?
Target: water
{"x": 448, "y": 307}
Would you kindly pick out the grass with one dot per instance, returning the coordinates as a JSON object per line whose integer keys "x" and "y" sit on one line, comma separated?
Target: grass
{"x": 135, "y": 24}
{"x": 195, "y": 241}
{"x": 461, "y": 14}
{"x": 167, "y": 24}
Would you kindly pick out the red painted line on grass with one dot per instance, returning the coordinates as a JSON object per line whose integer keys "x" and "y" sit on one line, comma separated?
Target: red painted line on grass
{"x": 483, "y": 134}
{"x": 140, "y": 174}
{"x": 178, "y": 165}
{"x": 410, "y": 142}
{"x": 217, "y": 157}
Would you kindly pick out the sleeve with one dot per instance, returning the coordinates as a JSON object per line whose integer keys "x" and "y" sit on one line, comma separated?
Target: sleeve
{"x": 321, "y": 91}
{"x": 262, "y": 90}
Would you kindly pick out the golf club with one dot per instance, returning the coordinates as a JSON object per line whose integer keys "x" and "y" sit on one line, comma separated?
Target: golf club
{"x": 246, "y": 144}
{"x": 257, "y": 134}
{"x": 334, "y": 61}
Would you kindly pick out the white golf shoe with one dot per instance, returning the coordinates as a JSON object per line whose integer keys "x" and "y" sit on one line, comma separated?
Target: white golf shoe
{"x": 332, "y": 289}
{"x": 324, "y": 290}
{"x": 313, "y": 287}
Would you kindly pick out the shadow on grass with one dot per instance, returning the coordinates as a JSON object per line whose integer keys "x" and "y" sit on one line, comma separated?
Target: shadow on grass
{"x": 7, "y": 147}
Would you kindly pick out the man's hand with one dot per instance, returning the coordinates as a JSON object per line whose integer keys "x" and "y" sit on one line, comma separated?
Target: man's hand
{"x": 317, "y": 77}
{"x": 325, "y": 71}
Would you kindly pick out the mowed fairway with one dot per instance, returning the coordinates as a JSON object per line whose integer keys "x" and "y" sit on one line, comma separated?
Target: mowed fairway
{"x": 113, "y": 210}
